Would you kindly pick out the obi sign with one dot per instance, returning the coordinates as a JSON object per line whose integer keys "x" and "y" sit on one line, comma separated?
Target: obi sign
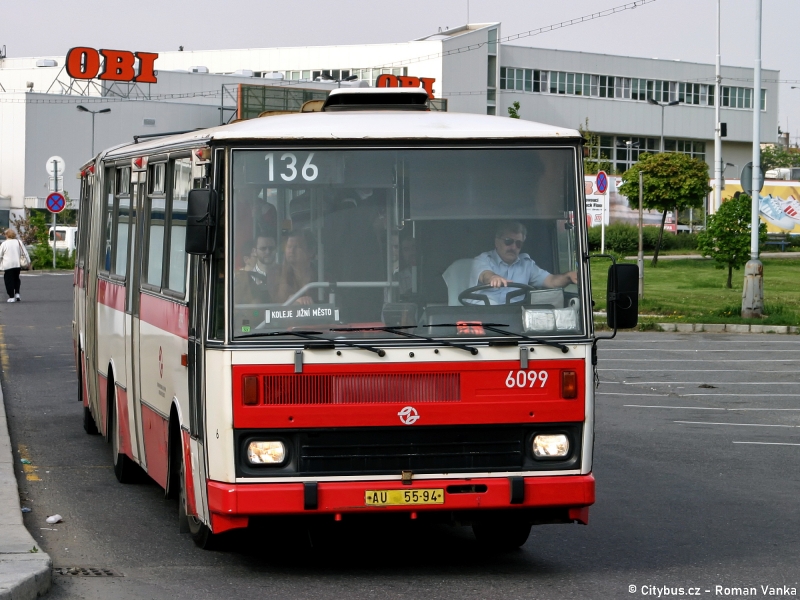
{"x": 118, "y": 65}
{"x": 387, "y": 80}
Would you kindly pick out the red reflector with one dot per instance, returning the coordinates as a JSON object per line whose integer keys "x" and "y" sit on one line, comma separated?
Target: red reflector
{"x": 184, "y": 360}
{"x": 138, "y": 162}
{"x": 569, "y": 385}
{"x": 91, "y": 169}
{"x": 250, "y": 388}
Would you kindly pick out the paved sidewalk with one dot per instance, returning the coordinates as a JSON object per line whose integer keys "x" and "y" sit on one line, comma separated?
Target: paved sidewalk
{"x": 23, "y": 573}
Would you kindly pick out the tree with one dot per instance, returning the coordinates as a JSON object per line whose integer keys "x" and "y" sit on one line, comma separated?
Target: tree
{"x": 727, "y": 236}
{"x": 513, "y": 110}
{"x": 775, "y": 157}
{"x": 593, "y": 164}
{"x": 32, "y": 228}
{"x": 672, "y": 181}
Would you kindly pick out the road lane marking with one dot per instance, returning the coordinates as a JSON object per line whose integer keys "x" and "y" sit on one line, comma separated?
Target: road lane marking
{"x": 767, "y": 443}
{"x": 705, "y": 382}
{"x": 704, "y": 350}
{"x": 702, "y": 407}
{"x": 626, "y": 394}
{"x": 690, "y": 371}
{"x": 686, "y": 407}
{"x": 27, "y": 466}
{"x": 713, "y": 360}
{"x": 735, "y": 424}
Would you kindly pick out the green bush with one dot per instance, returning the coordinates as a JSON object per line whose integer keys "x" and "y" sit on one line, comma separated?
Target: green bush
{"x": 42, "y": 258}
{"x": 624, "y": 239}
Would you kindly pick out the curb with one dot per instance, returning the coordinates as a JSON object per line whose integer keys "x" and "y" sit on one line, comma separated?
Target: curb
{"x": 729, "y": 328}
{"x": 23, "y": 574}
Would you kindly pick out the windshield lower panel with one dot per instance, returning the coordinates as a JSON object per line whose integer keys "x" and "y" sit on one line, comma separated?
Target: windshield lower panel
{"x": 366, "y": 244}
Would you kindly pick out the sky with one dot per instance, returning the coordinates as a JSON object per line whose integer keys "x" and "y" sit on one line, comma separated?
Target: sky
{"x": 666, "y": 29}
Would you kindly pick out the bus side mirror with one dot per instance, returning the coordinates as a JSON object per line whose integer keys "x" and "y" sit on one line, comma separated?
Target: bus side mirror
{"x": 201, "y": 221}
{"x": 623, "y": 296}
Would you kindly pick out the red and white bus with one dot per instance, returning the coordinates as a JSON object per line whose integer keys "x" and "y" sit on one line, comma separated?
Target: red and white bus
{"x": 292, "y": 315}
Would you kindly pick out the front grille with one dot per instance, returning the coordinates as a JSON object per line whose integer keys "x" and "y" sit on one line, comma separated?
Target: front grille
{"x": 362, "y": 388}
{"x": 388, "y": 450}
{"x": 418, "y": 450}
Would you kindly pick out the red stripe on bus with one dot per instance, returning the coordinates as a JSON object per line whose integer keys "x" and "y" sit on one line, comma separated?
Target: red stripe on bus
{"x": 155, "y": 444}
{"x": 124, "y": 423}
{"x": 111, "y": 294}
{"x": 191, "y": 505}
{"x": 489, "y": 394}
{"x": 165, "y": 314}
{"x": 251, "y": 499}
{"x": 102, "y": 391}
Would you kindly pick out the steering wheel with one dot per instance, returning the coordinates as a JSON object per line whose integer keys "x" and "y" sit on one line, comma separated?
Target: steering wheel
{"x": 471, "y": 293}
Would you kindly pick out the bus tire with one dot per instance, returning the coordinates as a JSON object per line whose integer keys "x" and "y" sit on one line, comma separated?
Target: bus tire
{"x": 501, "y": 533}
{"x": 89, "y": 426}
{"x": 201, "y": 533}
{"x": 125, "y": 469}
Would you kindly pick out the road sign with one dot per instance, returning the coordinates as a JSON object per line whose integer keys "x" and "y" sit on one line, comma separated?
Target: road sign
{"x": 746, "y": 179}
{"x": 50, "y": 167}
{"x": 56, "y": 202}
{"x": 601, "y": 182}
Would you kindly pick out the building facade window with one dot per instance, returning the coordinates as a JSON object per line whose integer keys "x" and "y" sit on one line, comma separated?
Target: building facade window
{"x": 623, "y": 151}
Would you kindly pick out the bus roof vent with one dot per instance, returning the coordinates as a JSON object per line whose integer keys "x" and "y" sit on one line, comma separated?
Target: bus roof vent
{"x": 376, "y": 99}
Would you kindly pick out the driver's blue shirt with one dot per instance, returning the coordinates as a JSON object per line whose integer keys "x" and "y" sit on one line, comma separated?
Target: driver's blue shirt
{"x": 523, "y": 270}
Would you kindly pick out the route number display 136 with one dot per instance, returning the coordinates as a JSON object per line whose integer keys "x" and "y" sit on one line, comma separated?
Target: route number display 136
{"x": 526, "y": 379}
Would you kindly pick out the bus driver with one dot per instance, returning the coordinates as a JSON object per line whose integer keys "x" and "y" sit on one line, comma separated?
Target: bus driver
{"x": 505, "y": 264}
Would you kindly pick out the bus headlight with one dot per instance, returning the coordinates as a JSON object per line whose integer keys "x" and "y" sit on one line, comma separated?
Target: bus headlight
{"x": 551, "y": 446}
{"x": 266, "y": 453}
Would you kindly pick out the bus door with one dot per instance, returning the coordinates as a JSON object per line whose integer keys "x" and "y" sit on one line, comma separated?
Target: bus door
{"x": 138, "y": 196}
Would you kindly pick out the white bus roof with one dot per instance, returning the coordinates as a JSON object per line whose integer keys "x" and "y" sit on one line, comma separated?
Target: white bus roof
{"x": 360, "y": 125}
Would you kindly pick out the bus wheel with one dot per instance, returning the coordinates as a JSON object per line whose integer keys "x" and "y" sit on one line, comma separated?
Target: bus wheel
{"x": 124, "y": 468}
{"x": 201, "y": 533}
{"x": 501, "y": 533}
{"x": 88, "y": 422}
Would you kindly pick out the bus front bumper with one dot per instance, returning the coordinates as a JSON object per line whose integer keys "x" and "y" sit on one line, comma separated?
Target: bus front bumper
{"x": 231, "y": 505}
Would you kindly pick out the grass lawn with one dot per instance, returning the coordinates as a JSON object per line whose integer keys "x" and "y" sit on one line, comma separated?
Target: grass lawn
{"x": 693, "y": 291}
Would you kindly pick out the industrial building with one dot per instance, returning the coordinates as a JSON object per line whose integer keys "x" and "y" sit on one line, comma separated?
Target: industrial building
{"x": 473, "y": 68}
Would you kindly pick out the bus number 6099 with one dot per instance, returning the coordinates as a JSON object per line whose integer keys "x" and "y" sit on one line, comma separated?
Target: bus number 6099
{"x": 528, "y": 379}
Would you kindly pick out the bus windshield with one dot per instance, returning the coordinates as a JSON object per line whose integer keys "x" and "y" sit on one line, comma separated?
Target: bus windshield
{"x": 423, "y": 242}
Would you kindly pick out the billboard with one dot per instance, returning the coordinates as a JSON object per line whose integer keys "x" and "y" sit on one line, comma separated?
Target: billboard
{"x": 617, "y": 208}
{"x": 778, "y": 205}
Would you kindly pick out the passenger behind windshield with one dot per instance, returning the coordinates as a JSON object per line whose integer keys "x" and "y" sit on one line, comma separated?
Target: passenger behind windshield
{"x": 507, "y": 264}
{"x": 298, "y": 269}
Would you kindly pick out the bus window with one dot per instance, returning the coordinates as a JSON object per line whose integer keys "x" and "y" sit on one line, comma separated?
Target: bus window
{"x": 182, "y": 177}
{"x": 384, "y": 237}
{"x": 107, "y": 254}
{"x": 121, "y": 242}
{"x": 155, "y": 242}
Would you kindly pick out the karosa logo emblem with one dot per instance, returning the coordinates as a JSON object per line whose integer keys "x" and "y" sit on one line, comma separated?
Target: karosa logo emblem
{"x": 409, "y": 415}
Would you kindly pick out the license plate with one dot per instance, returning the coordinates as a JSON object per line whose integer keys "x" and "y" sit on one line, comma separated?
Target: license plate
{"x": 403, "y": 497}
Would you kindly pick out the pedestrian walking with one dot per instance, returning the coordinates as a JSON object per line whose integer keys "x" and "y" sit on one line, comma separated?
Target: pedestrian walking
{"x": 13, "y": 258}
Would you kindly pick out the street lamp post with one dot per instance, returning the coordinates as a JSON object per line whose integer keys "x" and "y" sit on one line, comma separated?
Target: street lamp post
{"x": 82, "y": 108}
{"x": 657, "y": 103}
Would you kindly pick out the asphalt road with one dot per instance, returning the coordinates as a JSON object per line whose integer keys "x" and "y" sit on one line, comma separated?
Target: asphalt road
{"x": 697, "y": 487}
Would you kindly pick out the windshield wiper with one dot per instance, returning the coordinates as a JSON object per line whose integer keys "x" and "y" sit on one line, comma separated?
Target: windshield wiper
{"x": 324, "y": 345}
{"x": 562, "y": 347}
{"x": 494, "y": 326}
{"x": 398, "y": 331}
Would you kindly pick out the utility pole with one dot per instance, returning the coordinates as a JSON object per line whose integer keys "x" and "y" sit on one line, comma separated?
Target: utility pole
{"x": 718, "y": 164}
{"x": 753, "y": 294}
{"x": 55, "y": 189}
{"x": 640, "y": 256}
